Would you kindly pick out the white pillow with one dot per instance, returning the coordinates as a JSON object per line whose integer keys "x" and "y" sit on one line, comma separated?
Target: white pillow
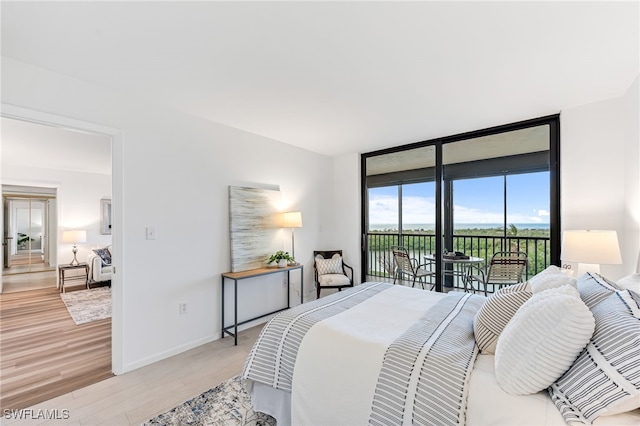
{"x": 545, "y": 281}
{"x": 542, "y": 340}
{"x": 630, "y": 282}
{"x": 553, "y": 269}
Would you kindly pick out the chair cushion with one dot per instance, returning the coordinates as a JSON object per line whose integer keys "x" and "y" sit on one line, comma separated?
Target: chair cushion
{"x": 542, "y": 341}
{"x": 495, "y": 314}
{"x": 605, "y": 379}
{"x": 333, "y": 279}
{"x": 329, "y": 266}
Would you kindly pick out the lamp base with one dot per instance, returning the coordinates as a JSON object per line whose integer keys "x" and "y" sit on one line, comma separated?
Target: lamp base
{"x": 74, "y": 262}
{"x": 583, "y": 268}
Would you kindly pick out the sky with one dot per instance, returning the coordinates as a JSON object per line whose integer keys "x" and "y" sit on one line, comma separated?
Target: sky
{"x": 477, "y": 201}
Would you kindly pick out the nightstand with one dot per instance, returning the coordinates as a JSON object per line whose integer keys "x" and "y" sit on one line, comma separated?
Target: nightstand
{"x": 65, "y": 278}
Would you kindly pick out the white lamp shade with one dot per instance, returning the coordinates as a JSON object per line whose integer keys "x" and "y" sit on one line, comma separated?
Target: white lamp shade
{"x": 74, "y": 236}
{"x": 595, "y": 247}
{"x": 292, "y": 220}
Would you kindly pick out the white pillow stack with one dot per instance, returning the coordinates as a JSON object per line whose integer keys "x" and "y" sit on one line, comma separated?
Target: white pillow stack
{"x": 542, "y": 340}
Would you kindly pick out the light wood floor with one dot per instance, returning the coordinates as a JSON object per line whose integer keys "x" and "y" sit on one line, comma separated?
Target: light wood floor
{"x": 137, "y": 396}
{"x": 29, "y": 281}
{"x": 44, "y": 354}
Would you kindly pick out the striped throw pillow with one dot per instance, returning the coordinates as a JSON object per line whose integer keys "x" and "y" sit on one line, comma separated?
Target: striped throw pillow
{"x": 594, "y": 288}
{"x": 495, "y": 313}
{"x": 605, "y": 379}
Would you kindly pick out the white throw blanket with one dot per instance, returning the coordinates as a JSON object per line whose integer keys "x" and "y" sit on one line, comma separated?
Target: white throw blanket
{"x": 371, "y": 364}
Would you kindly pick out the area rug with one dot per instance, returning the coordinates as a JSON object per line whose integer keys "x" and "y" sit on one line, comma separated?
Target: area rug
{"x": 228, "y": 404}
{"x": 88, "y": 305}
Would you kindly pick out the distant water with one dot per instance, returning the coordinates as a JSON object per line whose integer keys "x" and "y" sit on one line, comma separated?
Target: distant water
{"x": 431, "y": 226}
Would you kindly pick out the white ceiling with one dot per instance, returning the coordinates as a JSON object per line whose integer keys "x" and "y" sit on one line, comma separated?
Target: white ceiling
{"x": 339, "y": 77}
{"x": 26, "y": 144}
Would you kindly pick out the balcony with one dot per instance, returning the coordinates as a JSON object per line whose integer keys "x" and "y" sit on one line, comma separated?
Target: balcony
{"x": 420, "y": 244}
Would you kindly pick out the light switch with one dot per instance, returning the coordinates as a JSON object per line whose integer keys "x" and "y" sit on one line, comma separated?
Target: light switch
{"x": 151, "y": 233}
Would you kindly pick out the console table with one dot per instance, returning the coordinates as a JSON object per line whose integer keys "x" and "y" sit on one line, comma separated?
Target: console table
{"x": 239, "y": 276}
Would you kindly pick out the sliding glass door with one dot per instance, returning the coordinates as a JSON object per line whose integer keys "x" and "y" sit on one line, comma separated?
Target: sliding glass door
{"x": 478, "y": 193}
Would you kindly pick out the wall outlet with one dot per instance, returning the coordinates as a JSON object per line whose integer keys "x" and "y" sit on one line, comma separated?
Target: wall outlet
{"x": 182, "y": 308}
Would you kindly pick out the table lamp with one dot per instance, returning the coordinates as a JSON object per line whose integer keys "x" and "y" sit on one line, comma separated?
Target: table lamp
{"x": 74, "y": 237}
{"x": 590, "y": 249}
{"x": 292, "y": 220}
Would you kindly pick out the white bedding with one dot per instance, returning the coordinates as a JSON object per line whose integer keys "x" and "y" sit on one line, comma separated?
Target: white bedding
{"x": 329, "y": 385}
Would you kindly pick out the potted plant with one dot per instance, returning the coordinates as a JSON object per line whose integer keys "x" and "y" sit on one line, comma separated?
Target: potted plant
{"x": 282, "y": 258}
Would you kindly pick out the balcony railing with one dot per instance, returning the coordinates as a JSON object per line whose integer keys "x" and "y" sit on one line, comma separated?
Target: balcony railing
{"x": 419, "y": 244}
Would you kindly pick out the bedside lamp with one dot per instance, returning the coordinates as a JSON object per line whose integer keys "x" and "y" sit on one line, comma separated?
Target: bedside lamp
{"x": 590, "y": 249}
{"x": 292, "y": 220}
{"x": 74, "y": 237}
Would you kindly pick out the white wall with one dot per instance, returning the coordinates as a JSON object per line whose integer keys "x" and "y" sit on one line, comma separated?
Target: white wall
{"x": 78, "y": 202}
{"x": 599, "y": 173}
{"x": 344, "y": 228}
{"x": 631, "y": 246}
{"x": 165, "y": 163}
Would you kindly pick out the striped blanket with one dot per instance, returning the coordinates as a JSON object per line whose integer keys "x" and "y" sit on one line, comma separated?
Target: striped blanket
{"x": 374, "y": 354}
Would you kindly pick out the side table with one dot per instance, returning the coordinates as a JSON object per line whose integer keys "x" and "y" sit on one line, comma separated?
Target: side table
{"x": 63, "y": 278}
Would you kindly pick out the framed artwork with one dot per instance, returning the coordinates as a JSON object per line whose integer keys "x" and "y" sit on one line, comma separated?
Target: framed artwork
{"x": 254, "y": 226}
{"x": 105, "y": 216}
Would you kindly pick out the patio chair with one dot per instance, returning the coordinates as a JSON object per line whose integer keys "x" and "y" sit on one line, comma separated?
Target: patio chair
{"x": 505, "y": 268}
{"x": 408, "y": 266}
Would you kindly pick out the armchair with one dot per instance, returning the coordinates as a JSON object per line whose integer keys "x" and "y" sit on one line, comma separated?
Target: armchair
{"x": 331, "y": 271}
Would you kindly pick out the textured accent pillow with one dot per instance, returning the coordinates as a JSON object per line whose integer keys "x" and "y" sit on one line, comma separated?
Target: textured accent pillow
{"x": 105, "y": 255}
{"x": 546, "y": 280}
{"x": 605, "y": 379}
{"x": 542, "y": 341}
{"x": 329, "y": 266}
{"x": 594, "y": 288}
{"x": 496, "y": 312}
{"x": 630, "y": 282}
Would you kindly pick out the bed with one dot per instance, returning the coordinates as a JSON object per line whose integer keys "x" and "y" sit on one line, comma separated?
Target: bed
{"x": 384, "y": 354}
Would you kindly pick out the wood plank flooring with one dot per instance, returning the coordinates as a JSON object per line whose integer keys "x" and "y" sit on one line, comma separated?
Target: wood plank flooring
{"x": 43, "y": 353}
{"x": 29, "y": 281}
{"x": 137, "y": 396}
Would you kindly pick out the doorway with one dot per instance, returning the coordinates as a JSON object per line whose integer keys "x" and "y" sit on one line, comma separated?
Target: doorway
{"x": 28, "y": 246}
{"x": 76, "y": 164}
